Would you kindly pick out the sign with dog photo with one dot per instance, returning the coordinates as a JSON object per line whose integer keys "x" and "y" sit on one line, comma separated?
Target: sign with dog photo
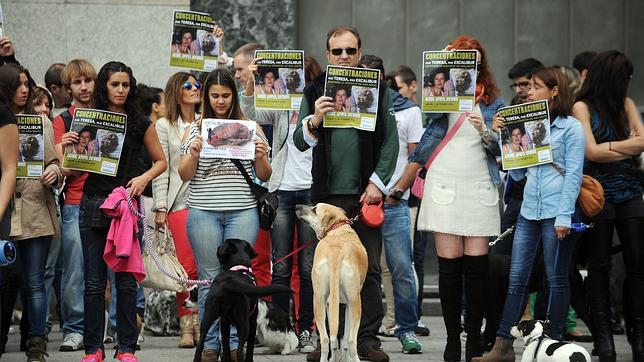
{"x": 449, "y": 81}
{"x": 228, "y": 138}
{"x": 355, "y": 93}
{"x": 279, "y": 83}
{"x": 31, "y": 160}
{"x": 525, "y": 137}
{"x": 193, "y": 45}
{"x": 100, "y": 141}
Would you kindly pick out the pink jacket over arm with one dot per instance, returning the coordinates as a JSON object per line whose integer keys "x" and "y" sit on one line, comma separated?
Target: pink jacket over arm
{"x": 122, "y": 250}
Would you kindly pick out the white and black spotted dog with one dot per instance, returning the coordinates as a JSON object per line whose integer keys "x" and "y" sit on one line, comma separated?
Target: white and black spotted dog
{"x": 541, "y": 348}
{"x": 161, "y": 316}
{"x": 274, "y": 328}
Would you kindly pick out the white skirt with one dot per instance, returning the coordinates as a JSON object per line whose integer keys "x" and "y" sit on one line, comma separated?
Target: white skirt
{"x": 459, "y": 196}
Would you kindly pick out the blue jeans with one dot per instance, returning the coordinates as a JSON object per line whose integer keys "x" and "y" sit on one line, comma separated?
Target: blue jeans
{"x": 33, "y": 255}
{"x": 93, "y": 241}
{"x": 73, "y": 277}
{"x": 206, "y": 231}
{"x": 282, "y": 244}
{"x": 398, "y": 253}
{"x": 557, "y": 255}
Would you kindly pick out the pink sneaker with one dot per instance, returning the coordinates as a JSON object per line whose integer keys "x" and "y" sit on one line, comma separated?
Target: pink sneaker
{"x": 94, "y": 357}
{"x": 126, "y": 357}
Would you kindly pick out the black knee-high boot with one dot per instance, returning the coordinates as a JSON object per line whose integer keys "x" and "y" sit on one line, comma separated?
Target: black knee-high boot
{"x": 450, "y": 285}
{"x": 634, "y": 318}
{"x": 476, "y": 269}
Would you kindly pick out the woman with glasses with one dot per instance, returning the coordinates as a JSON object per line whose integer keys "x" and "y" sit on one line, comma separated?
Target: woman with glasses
{"x": 115, "y": 91}
{"x": 614, "y": 142}
{"x": 170, "y": 193}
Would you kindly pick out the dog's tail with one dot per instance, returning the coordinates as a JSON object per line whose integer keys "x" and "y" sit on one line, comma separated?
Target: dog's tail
{"x": 255, "y": 291}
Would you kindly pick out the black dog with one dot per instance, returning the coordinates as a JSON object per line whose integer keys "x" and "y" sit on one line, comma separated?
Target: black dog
{"x": 233, "y": 299}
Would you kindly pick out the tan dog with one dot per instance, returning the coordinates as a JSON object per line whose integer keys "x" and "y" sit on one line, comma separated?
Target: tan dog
{"x": 339, "y": 269}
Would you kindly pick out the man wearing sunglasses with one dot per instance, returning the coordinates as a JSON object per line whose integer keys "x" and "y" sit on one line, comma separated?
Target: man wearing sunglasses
{"x": 351, "y": 166}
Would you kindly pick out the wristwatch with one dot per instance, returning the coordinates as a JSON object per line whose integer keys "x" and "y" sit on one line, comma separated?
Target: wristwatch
{"x": 311, "y": 127}
{"x": 485, "y": 133}
{"x": 396, "y": 194}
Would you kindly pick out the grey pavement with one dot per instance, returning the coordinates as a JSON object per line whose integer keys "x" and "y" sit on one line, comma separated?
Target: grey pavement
{"x": 161, "y": 349}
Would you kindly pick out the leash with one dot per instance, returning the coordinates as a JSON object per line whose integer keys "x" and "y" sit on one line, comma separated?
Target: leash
{"x": 310, "y": 243}
{"x": 148, "y": 245}
{"x": 503, "y": 235}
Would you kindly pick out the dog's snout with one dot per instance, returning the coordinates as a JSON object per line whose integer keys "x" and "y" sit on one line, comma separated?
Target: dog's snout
{"x": 301, "y": 210}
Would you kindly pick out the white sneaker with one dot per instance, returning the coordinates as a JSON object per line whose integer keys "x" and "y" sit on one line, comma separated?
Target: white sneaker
{"x": 306, "y": 344}
{"x": 387, "y": 331}
{"x": 72, "y": 342}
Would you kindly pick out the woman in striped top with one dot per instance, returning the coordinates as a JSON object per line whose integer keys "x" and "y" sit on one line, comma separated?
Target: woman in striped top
{"x": 614, "y": 141}
{"x": 220, "y": 202}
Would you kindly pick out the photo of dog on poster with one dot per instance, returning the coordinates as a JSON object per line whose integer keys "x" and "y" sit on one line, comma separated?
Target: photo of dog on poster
{"x": 31, "y": 148}
{"x": 109, "y": 143}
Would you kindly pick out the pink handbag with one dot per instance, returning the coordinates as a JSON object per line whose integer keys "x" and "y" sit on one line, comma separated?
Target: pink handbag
{"x": 418, "y": 188}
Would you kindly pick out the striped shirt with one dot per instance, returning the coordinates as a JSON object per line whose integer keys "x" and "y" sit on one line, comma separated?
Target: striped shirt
{"x": 218, "y": 185}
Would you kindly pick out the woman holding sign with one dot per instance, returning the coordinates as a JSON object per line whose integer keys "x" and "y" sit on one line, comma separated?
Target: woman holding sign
{"x": 461, "y": 203}
{"x": 182, "y": 94}
{"x": 614, "y": 142}
{"x": 33, "y": 220}
{"x": 549, "y": 200}
{"x": 115, "y": 91}
{"x": 220, "y": 202}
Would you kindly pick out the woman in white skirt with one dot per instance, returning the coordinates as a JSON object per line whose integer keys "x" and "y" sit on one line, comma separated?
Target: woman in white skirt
{"x": 460, "y": 205}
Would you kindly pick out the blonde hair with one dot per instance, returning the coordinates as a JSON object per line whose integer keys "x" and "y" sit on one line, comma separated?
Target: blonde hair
{"x": 77, "y": 68}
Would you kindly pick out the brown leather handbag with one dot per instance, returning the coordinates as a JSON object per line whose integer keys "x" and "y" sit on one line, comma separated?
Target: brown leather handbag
{"x": 591, "y": 195}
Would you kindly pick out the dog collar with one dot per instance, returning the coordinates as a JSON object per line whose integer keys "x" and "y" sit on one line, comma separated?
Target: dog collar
{"x": 335, "y": 226}
{"x": 242, "y": 268}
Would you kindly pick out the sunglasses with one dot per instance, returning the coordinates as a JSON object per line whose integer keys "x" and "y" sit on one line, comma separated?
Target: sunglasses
{"x": 188, "y": 86}
{"x": 338, "y": 51}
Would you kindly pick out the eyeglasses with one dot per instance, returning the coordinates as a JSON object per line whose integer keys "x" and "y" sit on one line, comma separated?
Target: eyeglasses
{"x": 523, "y": 85}
{"x": 188, "y": 86}
{"x": 338, "y": 51}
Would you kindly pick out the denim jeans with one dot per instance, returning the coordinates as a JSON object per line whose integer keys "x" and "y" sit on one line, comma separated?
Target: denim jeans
{"x": 282, "y": 235}
{"x": 111, "y": 313}
{"x": 529, "y": 235}
{"x": 206, "y": 231}
{"x": 93, "y": 241}
{"x": 398, "y": 253}
{"x": 33, "y": 255}
{"x": 52, "y": 276}
{"x": 73, "y": 277}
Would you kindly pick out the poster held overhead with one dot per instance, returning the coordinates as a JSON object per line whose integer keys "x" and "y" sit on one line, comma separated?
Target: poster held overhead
{"x": 279, "y": 83}
{"x": 193, "y": 44}
{"x": 449, "y": 81}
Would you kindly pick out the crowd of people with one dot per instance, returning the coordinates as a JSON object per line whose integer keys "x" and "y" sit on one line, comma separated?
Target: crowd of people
{"x": 61, "y": 232}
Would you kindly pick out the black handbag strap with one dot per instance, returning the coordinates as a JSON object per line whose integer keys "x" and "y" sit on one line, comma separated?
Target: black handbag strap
{"x": 253, "y": 185}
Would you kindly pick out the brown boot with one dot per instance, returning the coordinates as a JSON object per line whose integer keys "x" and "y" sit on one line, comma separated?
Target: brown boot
{"x": 196, "y": 328}
{"x": 187, "y": 340}
{"x": 502, "y": 352}
{"x": 209, "y": 355}
{"x": 36, "y": 349}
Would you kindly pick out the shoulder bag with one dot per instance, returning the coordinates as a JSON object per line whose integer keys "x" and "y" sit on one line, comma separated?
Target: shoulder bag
{"x": 167, "y": 257}
{"x": 591, "y": 194}
{"x": 267, "y": 202}
{"x": 418, "y": 188}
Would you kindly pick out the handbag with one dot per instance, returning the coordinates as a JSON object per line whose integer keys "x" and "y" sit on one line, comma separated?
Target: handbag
{"x": 267, "y": 202}
{"x": 591, "y": 194}
{"x": 167, "y": 257}
{"x": 418, "y": 188}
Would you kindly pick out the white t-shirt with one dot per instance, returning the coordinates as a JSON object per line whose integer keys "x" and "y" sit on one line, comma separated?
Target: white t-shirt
{"x": 410, "y": 130}
{"x": 297, "y": 169}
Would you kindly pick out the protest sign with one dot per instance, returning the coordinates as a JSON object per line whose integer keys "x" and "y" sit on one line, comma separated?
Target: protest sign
{"x": 31, "y": 160}
{"x": 228, "y": 138}
{"x": 355, "y": 93}
{"x": 193, "y": 44}
{"x": 449, "y": 81}
{"x": 279, "y": 83}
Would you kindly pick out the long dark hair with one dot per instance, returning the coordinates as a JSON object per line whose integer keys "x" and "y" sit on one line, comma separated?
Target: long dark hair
{"x": 561, "y": 104}
{"x": 9, "y": 83}
{"x": 224, "y": 78}
{"x": 101, "y": 101}
{"x": 604, "y": 90}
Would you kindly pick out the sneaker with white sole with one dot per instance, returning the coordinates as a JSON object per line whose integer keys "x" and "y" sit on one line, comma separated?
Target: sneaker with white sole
{"x": 72, "y": 342}
{"x": 410, "y": 343}
{"x": 306, "y": 344}
{"x": 422, "y": 329}
{"x": 387, "y": 331}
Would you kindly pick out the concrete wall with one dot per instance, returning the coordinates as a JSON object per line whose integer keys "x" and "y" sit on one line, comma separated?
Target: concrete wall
{"x": 510, "y": 30}
{"x": 136, "y": 32}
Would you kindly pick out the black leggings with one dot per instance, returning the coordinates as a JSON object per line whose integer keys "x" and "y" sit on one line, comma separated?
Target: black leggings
{"x": 631, "y": 235}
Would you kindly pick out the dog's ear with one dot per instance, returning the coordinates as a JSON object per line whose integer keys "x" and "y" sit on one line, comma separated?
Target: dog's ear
{"x": 249, "y": 250}
{"x": 225, "y": 250}
{"x": 528, "y": 327}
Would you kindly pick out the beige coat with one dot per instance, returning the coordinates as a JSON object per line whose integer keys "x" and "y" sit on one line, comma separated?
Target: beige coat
{"x": 168, "y": 190}
{"x": 34, "y": 214}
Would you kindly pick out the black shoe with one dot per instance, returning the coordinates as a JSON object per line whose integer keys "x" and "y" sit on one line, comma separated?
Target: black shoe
{"x": 452, "y": 351}
{"x": 375, "y": 354}
{"x": 584, "y": 338}
{"x": 422, "y": 329}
